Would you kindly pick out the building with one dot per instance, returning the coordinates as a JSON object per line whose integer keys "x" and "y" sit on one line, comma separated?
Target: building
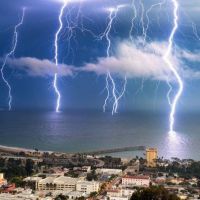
{"x": 118, "y": 198}
{"x": 75, "y": 195}
{"x": 2, "y": 180}
{"x": 87, "y": 186}
{"x": 61, "y": 183}
{"x": 128, "y": 192}
{"x": 86, "y": 169}
{"x": 114, "y": 193}
{"x": 151, "y": 157}
{"x": 133, "y": 169}
{"x": 120, "y": 194}
{"x": 175, "y": 181}
{"x": 9, "y": 188}
{"x": 108, "y": 171}
{"x": 138, "y": 181}
{"x": 22, "y": 195}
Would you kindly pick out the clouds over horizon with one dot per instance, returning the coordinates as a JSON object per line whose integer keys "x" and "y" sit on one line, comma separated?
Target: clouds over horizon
{"x": 131, "y": 60}
{"x": 42, "y": 68}
{"x": 134, "y": 61}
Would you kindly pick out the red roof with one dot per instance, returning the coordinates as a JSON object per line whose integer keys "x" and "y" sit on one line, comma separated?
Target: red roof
{"x": 137, "y": 177}
{"x": 10, "y": 188}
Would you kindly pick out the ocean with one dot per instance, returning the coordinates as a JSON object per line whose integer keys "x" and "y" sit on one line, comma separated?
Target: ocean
{"x": 80, "y": 131}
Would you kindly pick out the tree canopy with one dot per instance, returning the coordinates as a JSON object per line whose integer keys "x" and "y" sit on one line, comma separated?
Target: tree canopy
{"x": 153, "y": 193}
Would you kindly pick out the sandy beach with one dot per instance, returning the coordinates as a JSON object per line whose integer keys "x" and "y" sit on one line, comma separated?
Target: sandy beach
{"x": 19, "y": 149}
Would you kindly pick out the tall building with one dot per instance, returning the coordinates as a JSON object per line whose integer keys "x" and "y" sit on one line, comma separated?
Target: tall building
{"x": 87, "y": 186}
{"x": 151, "y": 156}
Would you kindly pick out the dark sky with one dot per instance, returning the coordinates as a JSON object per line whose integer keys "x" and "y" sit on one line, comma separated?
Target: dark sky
{"x": 86, "y": 90}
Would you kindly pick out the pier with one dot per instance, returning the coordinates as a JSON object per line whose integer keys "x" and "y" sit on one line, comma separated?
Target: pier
{"x": 116, "y": 150}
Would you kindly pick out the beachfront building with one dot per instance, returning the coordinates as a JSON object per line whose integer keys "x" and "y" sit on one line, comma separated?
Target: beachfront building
{"x": 138, "y": 181}
{"x": 151, "y": 157}
{"x": 87, "y": 187}
{"x": 61, "y": 183}
{"x": 2, "y": 180}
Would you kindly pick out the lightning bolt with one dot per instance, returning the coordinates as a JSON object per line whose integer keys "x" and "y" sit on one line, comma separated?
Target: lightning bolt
{"x": 169, "y": 92}
{"x": 56, "y": 45}
{"x": 142, "y": 20}
{"x": 133, "y": 6}
{"x": 11, "y": 53}
{"x": 147, "y": 17}
{"x": 109, "y": 78}
{"x": 133, "y": 20}
{"x": 172, "y": 68}
{"x": 116, "y": 104}
{"x": 194, "y": 28}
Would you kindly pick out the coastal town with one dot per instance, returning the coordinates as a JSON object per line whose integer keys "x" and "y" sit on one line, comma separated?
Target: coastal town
{"x": 99, "y": 99}
{"x": 36, "y": 175}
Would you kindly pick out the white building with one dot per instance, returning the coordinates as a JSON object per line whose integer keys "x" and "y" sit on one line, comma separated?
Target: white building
{"x": 75, "y": 194}
{"x": 120, "y": 194}
{"x": 118, "y": 198}
{"x": 139, "y": 181}
{"x": 23, "y": 195}
{"x": 83, "y": 169}
{"x": 87, "y": 186}
{"x": 114, "y": 193}
{"x": 45, "y": 184}
{"x": 32, "y": 179}
{"x": 127, "y": 192}
{"x": 86, "y": 169}
{"x": 61, "y": 183}
{"x": 108, "y": 171}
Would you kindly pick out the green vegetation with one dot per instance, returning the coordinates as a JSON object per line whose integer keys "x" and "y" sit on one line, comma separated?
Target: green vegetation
{"x": 80, "y": 198}
{"x": 93, "y": 194}
{"x": 16, "y": 170}
{"x": 155, "y": 193}
{"x": 61, "y": 197}
{"x": 29, "y": 167}
{"x": 185, "y": 171}
{"x": 92, "y": 176}
{"x": 18, "y": 181}
{"x": 111, "y": 162}
{"x": 113, "y": 176}
{"x": 72, "y": 173}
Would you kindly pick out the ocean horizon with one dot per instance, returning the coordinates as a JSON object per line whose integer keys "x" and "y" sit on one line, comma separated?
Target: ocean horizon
{"x": 82, "y": 131}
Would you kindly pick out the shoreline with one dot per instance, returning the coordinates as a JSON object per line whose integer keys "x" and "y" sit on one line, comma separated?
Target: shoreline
{"x": 21, "y": 149}
{"x": 34, "y": 153}
{"x": 37, "y": 152}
